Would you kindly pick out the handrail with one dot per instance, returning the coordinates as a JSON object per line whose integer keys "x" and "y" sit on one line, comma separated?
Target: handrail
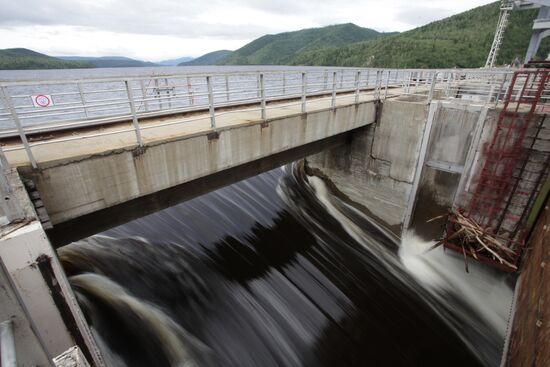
{"x": 122, "y": 98}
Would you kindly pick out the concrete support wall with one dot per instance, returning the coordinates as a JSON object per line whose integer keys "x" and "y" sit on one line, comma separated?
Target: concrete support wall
{"x": 414, "y": 154}
{"x": 376, "y": 170}
{"x": 75, "y": 187}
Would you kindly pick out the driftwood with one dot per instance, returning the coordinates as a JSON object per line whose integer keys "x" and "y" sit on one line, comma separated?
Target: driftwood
{"x": 476, "y": 241}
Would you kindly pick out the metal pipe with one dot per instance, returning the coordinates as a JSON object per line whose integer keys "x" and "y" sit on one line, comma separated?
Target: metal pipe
{"x": 134, "y": 115}
{"x": 262, "y": 93}
{"x": 17, "y": 122}
{"x": 357, "y": 78}
{"x": 227, "y": 88}
{"x": 304, "y": 88}
{"x": 144, "y": 95}
{"x": 81, "y": 92}
{"x": 333, "y": 101}
{"x": 433, "y": 81}
{"x": 505, "y": 76}
{"x": 211, "y": 103}
{"x": 190, "y": 92}
{"x": 387, "y": 84}
{"x": 158, "y": 93}
{"x": 7, "y": 345}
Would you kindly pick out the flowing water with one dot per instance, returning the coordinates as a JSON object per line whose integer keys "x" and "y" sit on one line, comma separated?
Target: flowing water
{"x": 278, "y": 271}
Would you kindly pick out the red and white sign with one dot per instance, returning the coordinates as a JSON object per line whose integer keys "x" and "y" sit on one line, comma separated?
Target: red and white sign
{"x": 42, "y": 100}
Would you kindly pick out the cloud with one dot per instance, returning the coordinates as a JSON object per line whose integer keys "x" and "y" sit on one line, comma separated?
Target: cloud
{"x": 193, "y": 25}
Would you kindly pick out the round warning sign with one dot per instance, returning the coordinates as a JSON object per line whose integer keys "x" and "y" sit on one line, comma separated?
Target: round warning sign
{"x": 42, "y": 100}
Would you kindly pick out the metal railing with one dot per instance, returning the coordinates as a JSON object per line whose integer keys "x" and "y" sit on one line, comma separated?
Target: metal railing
{"x": 91, "y": 102}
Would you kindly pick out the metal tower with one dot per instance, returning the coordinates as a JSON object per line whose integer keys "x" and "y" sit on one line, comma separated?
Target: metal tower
{"x": 541, "y": 26}
{"x": 505, "y": 8}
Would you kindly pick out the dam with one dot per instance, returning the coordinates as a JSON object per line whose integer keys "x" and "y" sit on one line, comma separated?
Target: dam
{"x": 392, "y": 151}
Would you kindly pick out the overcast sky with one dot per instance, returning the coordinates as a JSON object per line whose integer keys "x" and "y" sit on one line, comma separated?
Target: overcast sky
{"x": 160, "y": 29}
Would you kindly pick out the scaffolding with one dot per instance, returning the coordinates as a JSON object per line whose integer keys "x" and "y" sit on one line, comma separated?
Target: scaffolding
{"x": 509, "y": 178}
{"x": 505, "y": 8}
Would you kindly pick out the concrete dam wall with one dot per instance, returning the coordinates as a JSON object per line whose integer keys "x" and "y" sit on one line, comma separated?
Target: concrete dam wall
{"x": 414, "y": 152}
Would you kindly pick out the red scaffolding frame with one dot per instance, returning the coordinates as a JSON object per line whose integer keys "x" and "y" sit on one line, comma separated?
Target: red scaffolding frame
{"x": 505, "y": 158}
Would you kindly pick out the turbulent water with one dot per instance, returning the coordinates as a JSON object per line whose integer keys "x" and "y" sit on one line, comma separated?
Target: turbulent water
{"x": 277, "y": 271}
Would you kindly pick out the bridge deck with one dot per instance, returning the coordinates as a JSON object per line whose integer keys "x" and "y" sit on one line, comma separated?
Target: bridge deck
{"x": 96, "y": 140}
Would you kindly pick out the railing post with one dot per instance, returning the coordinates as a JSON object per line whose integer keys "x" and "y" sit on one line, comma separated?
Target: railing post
{"x": 211, "y": 102}
{"x": 17, "y": 122}
{"x": 190, "y": 92}
{"x": 133, "y": 110}
{"x": 377, "y": 83}
{"x": 333, "y": 101}
{"x": 304, "y": 92}
{"x": 7, "y": 345}
{"x": 144, "y": 95}
{"x": 367, "y": 79}
{"x": 357, "y": 78}
{"x": 158, "y": 94}
{"x": 82, "y": 100}
{"x": 500, "y": 89}
{"x": 432, "y": 86}
{"x": 341, "y": 79}
{"x": 258, "y": 85}
{"x": 262, "y": 93}
{"x": 448, "y": 89}
{"x": 168, "y": 93}
{"x": 387, "y": 84}
{"x": 227, "y": 87}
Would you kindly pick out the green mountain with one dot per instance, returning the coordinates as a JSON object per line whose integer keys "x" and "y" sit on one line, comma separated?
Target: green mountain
{"x": 211, "y": 58}
{"x": 22, "y": 58}
{"x": 109, "y": 61}
{"x": 281, "y": 48}
{"x": 462, "y": 40}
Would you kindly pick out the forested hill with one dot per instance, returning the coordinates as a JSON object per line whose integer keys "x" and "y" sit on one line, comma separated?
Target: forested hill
{"x": 279, "y": 49}
{"x": 22, "y": 58}
{"x": 109, "y": 61}
{"x": 463, "y": 40}
{"x": 211, "y": 58}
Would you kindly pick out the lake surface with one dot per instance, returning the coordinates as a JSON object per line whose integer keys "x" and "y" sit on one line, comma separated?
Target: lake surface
{"x": 11, "y": 75}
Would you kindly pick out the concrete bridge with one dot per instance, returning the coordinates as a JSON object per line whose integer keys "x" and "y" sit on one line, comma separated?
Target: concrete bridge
{"x": 106, "y": 151}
